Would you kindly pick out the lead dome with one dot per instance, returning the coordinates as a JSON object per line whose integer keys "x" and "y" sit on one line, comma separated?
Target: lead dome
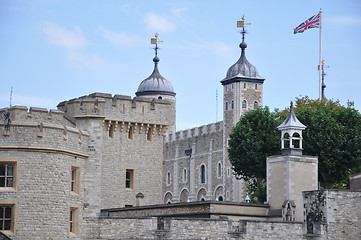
{"x": 242, "y": 68}
{"x": 155, "y": 84}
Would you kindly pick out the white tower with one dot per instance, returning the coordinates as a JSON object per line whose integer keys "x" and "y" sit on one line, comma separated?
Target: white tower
{"x": 242, "y": 91}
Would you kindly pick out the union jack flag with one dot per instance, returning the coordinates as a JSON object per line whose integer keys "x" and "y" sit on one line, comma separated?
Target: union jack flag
{"x": 312, "y": 22}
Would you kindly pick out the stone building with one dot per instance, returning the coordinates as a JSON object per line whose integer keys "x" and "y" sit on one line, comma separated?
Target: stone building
{"x": 101, "y": 167}
{"x": 196, "y": 160}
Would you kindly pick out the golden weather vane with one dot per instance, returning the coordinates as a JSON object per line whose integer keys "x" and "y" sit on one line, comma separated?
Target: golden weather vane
{"x": 242, "y": 24}
{"x": 155, "y": 41}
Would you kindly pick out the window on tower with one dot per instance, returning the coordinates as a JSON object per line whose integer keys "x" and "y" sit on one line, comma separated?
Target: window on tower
{"x": 255, "y": 105}
{"x": 129, "y": 178}
{"x": 7, "y": 217}
{"x": 226, "y": 105}
{"x": 244, "y": 104}
{"x": 203, "y": 174}
{"x": 232, "y": 104}
{"x": 8, "y": 176}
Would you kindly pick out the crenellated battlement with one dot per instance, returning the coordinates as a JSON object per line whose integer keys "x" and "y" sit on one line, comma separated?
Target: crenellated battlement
{"x": 120, "y": 108}
{"x": 194, "y": 132}
{"x": 33, "y": 114}
{"x": 41, "y": 130}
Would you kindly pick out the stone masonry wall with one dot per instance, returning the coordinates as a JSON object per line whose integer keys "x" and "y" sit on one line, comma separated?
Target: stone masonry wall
{"x": 338, "y": 210}
{"x": 184, "y": 153}
{"x": 125, "y": 134}
{"x": 172, "y": 228}
{"x": 44, "y": 148}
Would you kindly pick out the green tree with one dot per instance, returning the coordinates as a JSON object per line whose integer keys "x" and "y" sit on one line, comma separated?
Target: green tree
{"x": 333, "y": 134}
{"x": 254, "y": 137}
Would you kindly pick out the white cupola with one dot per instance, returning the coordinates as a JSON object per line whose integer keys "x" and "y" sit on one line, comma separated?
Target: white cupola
{"x": 291, "y": 134}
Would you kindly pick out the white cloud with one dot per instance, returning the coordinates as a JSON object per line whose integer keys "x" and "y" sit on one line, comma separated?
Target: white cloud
{"x": 92, "y": 62}
{"x": 117, "y": 38}
{"x": 64, "y": 38}
{"x": 178, "y": 12}
{"x": 158, "y": 23}
{"x": 74, "y": 43}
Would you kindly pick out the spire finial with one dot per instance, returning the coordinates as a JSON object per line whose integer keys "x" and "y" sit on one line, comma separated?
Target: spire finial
{"x": 291, "y": 106}
{"x": 155, "y": 41}
{"x": 242, "y": 24}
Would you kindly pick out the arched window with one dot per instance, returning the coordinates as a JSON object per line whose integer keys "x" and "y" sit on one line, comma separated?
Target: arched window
{"x": 296, "y": 140}
{"x": 111, "y": 130}
{"x": 219, "y": 170}
{"x": 244, "y": 85}
{"x": 149, "y": 134}
{"x": 130, "y": 133}
{"x": 286, "y": 140}
{"x": 232, "y": 104}
{"x": 244, "y": 104}
{"x": 255, "y": 105}
{"x": 160, "y": 97}
{"x": 226, "y": 105}
{"x": 203, "y": 174}
{"x": 255, "y": 86}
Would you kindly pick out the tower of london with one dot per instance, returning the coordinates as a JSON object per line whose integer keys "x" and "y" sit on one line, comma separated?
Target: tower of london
{"x": 70, "y": 173}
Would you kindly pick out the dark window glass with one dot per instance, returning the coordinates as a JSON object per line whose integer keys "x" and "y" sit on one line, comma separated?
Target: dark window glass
{"x": 10, "y": 170}
{"x": 203, "y": 174}
{"x": 2, "y": 181}
{"x": 9, "y": 182}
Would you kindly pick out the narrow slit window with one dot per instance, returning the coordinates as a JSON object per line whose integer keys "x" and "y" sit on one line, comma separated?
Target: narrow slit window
{"x": 129, "y": 178}
{"x": 74, "y": 181}
{"x": 73, "y": 220}
{"x": 203, "y": 174}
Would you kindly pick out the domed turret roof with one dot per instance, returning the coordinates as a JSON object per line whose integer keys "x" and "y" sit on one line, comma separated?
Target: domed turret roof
{"x": 242, "y": 68}
{"x": 155, "y": 84}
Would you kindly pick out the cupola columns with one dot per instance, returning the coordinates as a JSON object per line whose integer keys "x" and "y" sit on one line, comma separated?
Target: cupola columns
{"x": 291, "y": 134}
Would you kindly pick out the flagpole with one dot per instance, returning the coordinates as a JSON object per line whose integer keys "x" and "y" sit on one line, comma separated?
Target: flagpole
{"x": 320, "y": 60}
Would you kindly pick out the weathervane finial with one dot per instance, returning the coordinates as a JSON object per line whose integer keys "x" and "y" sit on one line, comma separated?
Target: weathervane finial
{"x": 155, "y": 41}
{"x": 242, "y": 24}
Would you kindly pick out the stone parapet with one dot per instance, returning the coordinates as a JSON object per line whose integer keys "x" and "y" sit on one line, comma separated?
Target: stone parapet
{"x": 23, "y": 114}
{"x": 121, "y": 108}
{"x": 194, "y": 132}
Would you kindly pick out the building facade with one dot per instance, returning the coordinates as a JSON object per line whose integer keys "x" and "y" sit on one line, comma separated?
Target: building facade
{"x": 196, "y": 165}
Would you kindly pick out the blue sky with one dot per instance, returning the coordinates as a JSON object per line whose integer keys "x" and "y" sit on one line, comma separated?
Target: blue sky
{"x": 56, "y": 50}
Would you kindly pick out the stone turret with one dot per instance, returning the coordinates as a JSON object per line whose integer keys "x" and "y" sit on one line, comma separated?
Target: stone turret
{"x": 291, "y": 173}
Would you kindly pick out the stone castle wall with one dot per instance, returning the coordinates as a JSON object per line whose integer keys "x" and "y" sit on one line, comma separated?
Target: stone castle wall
{"x": 339, "y": 210}
{"x": 44, "y": 147}
{"x": 185, "y": 152}
{"x": 126, "y": 134}
{"x": 173, "y": 228}
{"x": 121, "y": 109}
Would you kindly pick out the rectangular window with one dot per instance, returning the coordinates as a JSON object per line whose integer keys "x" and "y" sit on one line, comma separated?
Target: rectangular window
{"x": 129, "y": 178}
{"x": 7, "y": 174}
{"x": 73, "y": 220}
{"x": 74, "y": 181}
{"x": 6, "y": 217}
